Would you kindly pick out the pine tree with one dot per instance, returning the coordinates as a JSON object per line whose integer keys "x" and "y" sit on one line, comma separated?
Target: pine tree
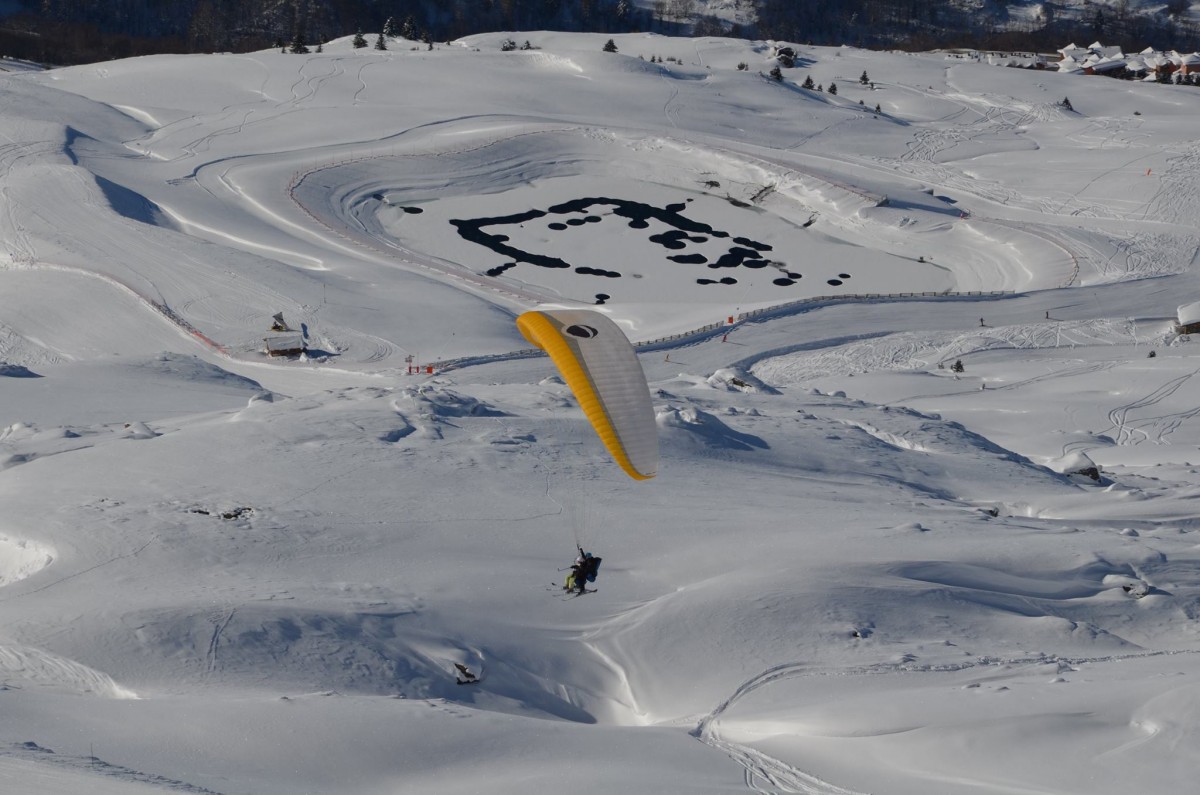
{"x": 832, "y": 88}
{"x": 610, "y": 46}
{"x": 864, "y": 80}
{"x": 808, "y": 83}
{"x": 359, "y": 41}
{"x": 776, "y": 73}
{"x": 409, "y": 31}
{"x": 381, "y": 43}
{"x": 389, "y": 28}
{"x": 298, "y": 46}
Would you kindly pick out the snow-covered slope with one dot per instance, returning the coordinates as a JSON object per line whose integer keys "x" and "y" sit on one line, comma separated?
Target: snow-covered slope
{"x": 858, "y": 569}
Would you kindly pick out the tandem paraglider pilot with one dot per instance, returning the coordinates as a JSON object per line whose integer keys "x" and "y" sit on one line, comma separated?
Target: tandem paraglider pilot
{"x": 583, "y": 571}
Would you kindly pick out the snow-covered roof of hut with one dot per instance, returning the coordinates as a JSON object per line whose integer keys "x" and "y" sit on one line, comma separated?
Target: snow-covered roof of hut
{"x": 1190, "y": 59}
{"x": 1107, "y": 64}
{"x": 1189, "y": 313}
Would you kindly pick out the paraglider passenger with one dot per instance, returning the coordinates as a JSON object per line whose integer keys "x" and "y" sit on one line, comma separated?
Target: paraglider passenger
{"x": 577, "y": 579}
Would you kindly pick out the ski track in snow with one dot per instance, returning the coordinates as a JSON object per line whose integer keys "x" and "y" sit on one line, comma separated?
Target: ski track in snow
{"x": 32, "y": 752}
{"x": 220, "y": 618}
{"x": 1134, "y": 430}
{"x": 776, "y": 775}
{"x": 100, "y": 564}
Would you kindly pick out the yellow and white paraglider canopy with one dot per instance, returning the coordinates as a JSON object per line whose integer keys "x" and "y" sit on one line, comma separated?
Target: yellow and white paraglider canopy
{"x": 600, "y": 366}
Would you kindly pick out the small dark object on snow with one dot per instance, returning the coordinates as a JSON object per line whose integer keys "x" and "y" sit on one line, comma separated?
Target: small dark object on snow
{"x": 467, "y": 677}
{"x": 1151, "y": 355}
{"x": 957, "y": 366}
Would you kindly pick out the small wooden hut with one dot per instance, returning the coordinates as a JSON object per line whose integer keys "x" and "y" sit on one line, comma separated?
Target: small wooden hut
{"x": 285, "y": 345}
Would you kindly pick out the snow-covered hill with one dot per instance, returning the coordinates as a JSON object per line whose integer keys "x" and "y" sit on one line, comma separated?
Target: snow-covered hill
{"x": 858, "y": 569}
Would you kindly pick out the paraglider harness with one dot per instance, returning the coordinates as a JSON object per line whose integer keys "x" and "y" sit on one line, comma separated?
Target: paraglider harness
{"x": 585, "y": 569}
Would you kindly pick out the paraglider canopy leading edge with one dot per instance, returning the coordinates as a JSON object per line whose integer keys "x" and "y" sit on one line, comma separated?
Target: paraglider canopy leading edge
{"x": 600, "y": 366}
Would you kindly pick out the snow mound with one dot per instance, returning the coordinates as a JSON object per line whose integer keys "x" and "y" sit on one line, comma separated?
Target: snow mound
{"x": 20, "y": 558}
{"x": 43, "y": 670}
{"x": 546, "y": 60}
{"x": 138, "y": 430}
{"x": 707, "y": 430}
{"x": 437, "y": 402}
{"x": 21, "y": 443}
{"x": 734, "y": 378}
{"x": 382, "y": 653}
{"x": 1076, "y": 462}
{"x": 192, "y": 370}
{"x": 16, "y": 371}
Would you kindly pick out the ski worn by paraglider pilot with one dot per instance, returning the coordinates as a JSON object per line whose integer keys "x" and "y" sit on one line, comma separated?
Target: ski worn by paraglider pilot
{"x": 583, "y": 571}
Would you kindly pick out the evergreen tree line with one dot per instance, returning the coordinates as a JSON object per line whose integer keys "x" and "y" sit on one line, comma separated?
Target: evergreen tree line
{"x": 80, "y": 31}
